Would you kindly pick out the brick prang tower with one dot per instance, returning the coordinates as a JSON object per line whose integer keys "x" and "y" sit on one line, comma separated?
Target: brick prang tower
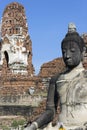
{"x": 16, "y": 43}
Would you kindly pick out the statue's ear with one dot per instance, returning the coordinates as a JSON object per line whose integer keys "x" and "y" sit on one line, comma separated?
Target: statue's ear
{"x": 84, "y": 51}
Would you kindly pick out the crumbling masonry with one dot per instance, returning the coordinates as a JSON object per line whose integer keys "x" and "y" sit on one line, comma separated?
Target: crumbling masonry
{"x": 16, "y": 68}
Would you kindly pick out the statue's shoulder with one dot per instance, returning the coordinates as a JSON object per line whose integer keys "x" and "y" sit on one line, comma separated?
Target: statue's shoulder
{"x": 55, "y": 78}
{"x": 85, "y": 73}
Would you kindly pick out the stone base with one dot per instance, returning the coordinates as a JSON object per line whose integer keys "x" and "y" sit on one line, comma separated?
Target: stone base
{"x": 58, "y": 127}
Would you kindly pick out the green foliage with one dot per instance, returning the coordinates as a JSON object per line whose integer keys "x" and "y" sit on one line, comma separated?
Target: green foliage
{"x": 21, "y": 122}
{"x": 5, "y": 128}
{"x": 14, "y": 124}
{"x": 22, "y": 128}
{"x": 18, "y": 123}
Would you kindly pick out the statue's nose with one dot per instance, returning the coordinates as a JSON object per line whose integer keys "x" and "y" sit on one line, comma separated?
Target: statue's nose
{"x": 68, "y": 54}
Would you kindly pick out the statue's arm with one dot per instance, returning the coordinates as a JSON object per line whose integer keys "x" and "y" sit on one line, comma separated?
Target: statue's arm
{"x": 49, "y": 113}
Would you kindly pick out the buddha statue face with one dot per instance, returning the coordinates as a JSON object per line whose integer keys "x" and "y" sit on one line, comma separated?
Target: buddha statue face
{"x": 71, "y": 54}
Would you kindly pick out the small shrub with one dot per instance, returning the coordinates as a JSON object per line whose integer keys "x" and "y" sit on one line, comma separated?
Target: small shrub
{"x": 21, "y": 122}
{"x": 5, "y": 128}
{"x": 14, "y": 124}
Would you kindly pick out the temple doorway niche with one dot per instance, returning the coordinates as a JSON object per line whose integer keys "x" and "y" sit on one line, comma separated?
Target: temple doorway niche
{"x": 6, "y": 57}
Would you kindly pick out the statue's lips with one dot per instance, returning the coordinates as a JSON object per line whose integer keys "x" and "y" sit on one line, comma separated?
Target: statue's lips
{"x": 68, "y": 61}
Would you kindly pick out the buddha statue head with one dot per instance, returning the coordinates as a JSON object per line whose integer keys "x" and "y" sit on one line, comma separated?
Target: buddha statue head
{"x": 72, "y": 48}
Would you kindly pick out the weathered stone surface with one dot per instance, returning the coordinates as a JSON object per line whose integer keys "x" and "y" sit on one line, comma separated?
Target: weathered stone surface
{"x": 84, "y": 36}
{"x": 16, "y": 68}
{"x": 14, "y": 20}
{"x": 73, "y": 97}
{"x": 16, "y": 45}
{"x": 15, "y": 110}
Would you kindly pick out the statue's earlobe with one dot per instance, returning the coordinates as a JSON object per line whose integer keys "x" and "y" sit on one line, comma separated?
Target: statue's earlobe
{"x": 84, "y": 52}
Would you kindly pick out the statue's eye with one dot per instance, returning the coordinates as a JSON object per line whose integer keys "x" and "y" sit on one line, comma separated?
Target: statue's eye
{"x": 64, "y": 51}
{"x": 73, "y": 50}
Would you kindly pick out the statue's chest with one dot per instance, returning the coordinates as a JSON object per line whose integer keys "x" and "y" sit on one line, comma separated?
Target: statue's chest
{"x": 72, "y": 91}
{"x": 73, "y": 97}
{"x": 62, "y": 88}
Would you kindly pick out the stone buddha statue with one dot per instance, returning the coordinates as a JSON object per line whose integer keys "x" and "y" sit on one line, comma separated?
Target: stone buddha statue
{"x": 66, "y": 105}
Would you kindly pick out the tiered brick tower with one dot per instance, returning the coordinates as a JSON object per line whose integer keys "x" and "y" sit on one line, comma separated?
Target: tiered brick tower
{"x": 16, "y": 44}
{"x": 17, "y": 78}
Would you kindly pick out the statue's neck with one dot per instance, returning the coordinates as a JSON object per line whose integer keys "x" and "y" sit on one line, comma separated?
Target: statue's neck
{"x": 75, "y": 71}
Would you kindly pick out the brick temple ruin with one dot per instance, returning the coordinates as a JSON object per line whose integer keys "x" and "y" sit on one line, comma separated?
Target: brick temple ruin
{"x": 16, "y": 45}
{"x": 17, "y": 73}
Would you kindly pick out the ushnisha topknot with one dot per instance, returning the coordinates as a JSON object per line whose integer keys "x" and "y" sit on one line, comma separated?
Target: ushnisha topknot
{"x": 71, "y": 28}
{"x": 73, "y": 36}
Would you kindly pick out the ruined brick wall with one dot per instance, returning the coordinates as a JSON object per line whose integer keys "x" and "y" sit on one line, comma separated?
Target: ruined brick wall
{"x": 14, "y": 89}
{"x": 84, "y": 36}
{"x": 13, "y": 84}
{"x": 16, "y": 68}
{"x": 14, "y": 20}
{"x": 16, "y": 45}
{"x": 51, "y": 68}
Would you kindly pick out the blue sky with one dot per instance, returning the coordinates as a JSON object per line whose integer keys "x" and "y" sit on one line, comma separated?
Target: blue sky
{"x": 47, "y": 23}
